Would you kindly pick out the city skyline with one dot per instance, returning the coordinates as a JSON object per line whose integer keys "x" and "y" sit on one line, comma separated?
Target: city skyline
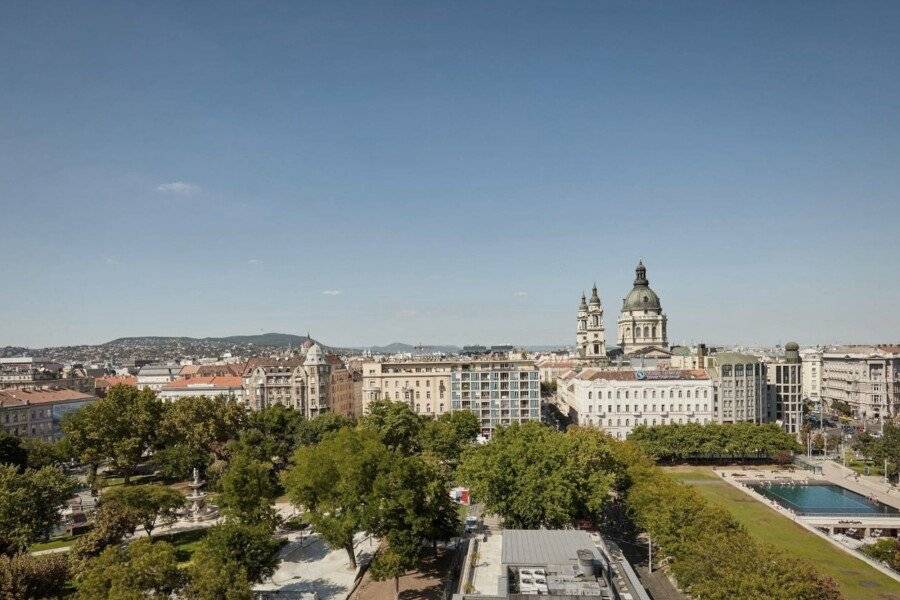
{"x": 448, "y": 175}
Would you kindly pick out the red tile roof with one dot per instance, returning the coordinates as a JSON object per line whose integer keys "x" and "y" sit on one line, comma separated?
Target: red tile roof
{"x": 111, "y": 380}
{"x": 17, "y": 397}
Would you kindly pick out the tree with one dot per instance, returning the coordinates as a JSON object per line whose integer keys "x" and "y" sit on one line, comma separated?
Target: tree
{"x": 145, "y": 504}
{"x": 533, "y": 476}
{"x": 142, "y": 569}
{"x": 885, "y": 448}
{"x": 332, "y": 481}
{"x": 212, "y": 578}
{"x": 246, "y": 489}
{"x": 313, "y": 431}
{"x": 396, "y": 424}
{"x": 11, "y": 450}
{"x": 448, "y": 435}
{"x": 119, "y": 427}
{"x": 272, "y": 433}
{"x": 195, "y": 431}
{"x": 24, "y": 576}
{"x": 252, "y": 547}
{"x": 29, "y": 504}
{"x": 43, "y": 454}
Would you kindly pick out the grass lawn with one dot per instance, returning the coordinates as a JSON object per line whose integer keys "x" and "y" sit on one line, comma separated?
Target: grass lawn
{"x": 857, "y": 580}
{"x": 61, "y": 542}
{"x": 185, "y": 542}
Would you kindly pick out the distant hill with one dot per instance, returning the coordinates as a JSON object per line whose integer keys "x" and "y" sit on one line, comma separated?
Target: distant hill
{"x": 263, "y": 339}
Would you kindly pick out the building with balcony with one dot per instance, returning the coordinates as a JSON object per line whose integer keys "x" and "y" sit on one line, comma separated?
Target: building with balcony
{"x": 865, "y": 377}
{"x": 498, "y": 391}
{"x": 422, "y": 383}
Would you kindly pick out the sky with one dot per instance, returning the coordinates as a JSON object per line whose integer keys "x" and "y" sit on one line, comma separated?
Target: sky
{"x": 448, "y": 172}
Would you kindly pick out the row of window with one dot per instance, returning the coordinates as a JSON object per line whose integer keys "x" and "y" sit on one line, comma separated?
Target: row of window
{"x": 637, "y": 408}
{"x": 643, "y": 394}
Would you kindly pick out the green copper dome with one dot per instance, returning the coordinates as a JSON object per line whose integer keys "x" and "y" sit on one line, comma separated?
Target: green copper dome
{"x": 641, "y": 297}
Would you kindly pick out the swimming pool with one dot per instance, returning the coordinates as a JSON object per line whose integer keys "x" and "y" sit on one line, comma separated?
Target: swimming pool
{"x": 822, "y": 499}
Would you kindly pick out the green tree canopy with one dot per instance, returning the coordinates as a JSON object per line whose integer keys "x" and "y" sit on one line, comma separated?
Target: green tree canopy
{"x": 533, "y": 476}
{"x": 11, "y": 450}
{"x": 312, "y": 431}
{"x": 679, "y": 442}
{"x": 210, "y": 577}
{"x": 272, "y": 433}
{"x": 448, "y": 435}
{"x": 332, "y": 481}
{"x": 139, "y": 570}
{"x": 25, "y": 576}
{"x": 119, "y": 427}
{"x": 396, "y": 425}
{"x": 194, "y": 431}
{"x": 252, "y": 547}
{"x": 144, "y": 504}
{"x": 246, "y": 489}
{"x": 29, "y": 504}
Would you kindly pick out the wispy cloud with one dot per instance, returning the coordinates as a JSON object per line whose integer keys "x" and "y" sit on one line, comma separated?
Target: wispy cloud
{"x": 254, "y": 261}
{"x": 110, "y": 260}
{"x": 520, "y": 294}
{"x": 331, "y": 292}
{"x": 179, "y": 188}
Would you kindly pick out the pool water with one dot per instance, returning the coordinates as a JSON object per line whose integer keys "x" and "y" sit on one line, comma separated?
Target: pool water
{"x": 822, "y": 499}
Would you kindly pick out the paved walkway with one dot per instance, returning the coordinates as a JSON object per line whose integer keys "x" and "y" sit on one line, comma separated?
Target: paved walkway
{"x": 862, "y": 484}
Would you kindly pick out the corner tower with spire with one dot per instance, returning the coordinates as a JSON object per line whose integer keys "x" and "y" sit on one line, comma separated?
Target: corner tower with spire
{"x": 591, "y": 335}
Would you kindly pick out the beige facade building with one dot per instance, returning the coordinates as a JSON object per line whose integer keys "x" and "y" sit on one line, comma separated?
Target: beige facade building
{"x": 642, "y": 323}
{"x": 213, "y": 386}
{"x": 865, "y": 377}
{"x": 422, "y": 383}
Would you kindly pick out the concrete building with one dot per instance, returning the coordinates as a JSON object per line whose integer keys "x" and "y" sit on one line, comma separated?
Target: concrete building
{"x": 207, "y": 386}
{"x": 498, "y": 391}
{"x": 784, "y": 403}
{"x": 865, "y": 377}
{"x": 549, "y": 563}
{"x": 642, "y": 323}
{"x": 36, "y": 413}
{"x": 422, "y": 383}
{"x": 27, "y": 372}
{"x": 741, "y": 387}
{"x": 551, "y": 367}
{"x": 617, "y": 401}
{"x": 590, "y": 335}
{"x": 154, "y": 377}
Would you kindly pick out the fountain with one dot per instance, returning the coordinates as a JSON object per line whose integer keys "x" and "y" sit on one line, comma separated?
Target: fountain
{"x": 200, "y": 510}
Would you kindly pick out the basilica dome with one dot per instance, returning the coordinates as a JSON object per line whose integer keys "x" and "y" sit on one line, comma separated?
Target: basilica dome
{"x": 641, "y": 297}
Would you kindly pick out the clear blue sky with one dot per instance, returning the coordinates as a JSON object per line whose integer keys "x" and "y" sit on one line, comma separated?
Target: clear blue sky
{"x": 448, "y": 172}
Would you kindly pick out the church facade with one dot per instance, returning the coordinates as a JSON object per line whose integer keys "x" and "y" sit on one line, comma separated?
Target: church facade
{"x": 641, "y": 328}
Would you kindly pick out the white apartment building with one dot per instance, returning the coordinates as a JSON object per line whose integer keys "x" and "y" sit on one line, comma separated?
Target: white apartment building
{"x": 619, "y": 401}
{"x": 865, "y": 377}
{"x": 422, "y": 383}
{"x": 811, "y": 374}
